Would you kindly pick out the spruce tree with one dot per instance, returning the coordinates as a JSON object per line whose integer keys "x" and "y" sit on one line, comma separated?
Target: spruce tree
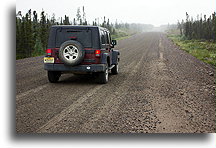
{"x": 43, "y": 30}
{"x": 78, "y": 16}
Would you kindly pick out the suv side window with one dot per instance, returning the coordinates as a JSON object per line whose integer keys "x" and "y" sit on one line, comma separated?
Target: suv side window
{"x": 107, "y": 38}
{"x": 102, "y": 37}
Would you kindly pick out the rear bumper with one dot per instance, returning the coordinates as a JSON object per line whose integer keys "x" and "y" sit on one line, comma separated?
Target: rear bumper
{"x": 80, "y": 68}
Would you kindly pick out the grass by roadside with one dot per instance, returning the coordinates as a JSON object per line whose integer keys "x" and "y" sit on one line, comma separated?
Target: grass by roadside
{"x": 34, "y": 54}
{"x": 201, "y": 49}
{"x": 121, "y": 34}
{"x": 122, "y": 38}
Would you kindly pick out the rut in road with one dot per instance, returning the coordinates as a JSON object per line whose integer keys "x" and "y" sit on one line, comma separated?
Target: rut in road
{"x": 160, "y": 89}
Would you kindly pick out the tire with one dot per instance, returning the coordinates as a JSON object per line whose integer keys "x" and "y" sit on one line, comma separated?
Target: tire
{"x": 103, "y": 76}
{"x": 115, "y": 69}
{"x": 53, "y": 76}
{"x": 71, "y": 53}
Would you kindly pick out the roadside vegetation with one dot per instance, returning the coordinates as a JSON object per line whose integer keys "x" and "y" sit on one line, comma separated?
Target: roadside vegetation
{"x": 197, "y": 37}
{"x": 201, "y": 49}
{"x": 32, "y": 29}
{"x": 122, "y": 38}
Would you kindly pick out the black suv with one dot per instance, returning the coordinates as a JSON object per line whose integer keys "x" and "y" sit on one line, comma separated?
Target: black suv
{"x": 80, "y": 49}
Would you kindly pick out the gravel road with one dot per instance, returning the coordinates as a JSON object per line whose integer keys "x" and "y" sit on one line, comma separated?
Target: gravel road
{"x": 160, "y": 89}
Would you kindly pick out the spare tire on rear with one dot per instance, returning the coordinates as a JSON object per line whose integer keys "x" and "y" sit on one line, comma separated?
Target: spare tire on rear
{"x": 71, "y": 52}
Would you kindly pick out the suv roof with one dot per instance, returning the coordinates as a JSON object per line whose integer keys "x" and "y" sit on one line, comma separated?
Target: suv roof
{"x": 78, "y": 27}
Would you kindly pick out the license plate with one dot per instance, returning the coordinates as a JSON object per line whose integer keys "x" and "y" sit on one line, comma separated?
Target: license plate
{"x": 48, "y": 59}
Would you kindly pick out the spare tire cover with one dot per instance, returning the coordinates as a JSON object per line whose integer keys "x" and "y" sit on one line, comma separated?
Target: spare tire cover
{"x": 71, "y": 52}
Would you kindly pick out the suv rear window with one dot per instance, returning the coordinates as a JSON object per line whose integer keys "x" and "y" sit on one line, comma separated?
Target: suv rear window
{"x": 84, "y": 36}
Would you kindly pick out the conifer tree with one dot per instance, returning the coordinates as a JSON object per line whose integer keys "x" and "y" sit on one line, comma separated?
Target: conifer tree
{"x": 78, "y": 16}
{"x": 43, "y": 30}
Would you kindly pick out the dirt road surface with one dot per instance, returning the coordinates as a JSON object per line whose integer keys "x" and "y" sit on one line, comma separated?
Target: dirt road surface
{"x": 160, "y": 89}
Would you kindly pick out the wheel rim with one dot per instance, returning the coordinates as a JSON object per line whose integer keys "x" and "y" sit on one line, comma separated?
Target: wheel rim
{"x": 106, "y": 74}
{"x": 117, "y": 68}
{"x": 70, "y": 53}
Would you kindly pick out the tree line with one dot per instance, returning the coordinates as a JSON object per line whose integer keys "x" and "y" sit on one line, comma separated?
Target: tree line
{"x": 32, "y": 29}
{"x": 198, "y": 28}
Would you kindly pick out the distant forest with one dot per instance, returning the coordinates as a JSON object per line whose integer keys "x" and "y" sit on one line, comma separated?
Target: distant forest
{"x": 32, "y": 29}
{"x": 202, "y": 27}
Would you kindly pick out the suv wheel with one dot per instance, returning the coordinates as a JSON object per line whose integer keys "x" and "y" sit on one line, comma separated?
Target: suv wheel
{"x": 115, "y": 69}
{"x": 53, "y": 76}
{"x": 71, "y": 53}
{"x": 103, "y": 76}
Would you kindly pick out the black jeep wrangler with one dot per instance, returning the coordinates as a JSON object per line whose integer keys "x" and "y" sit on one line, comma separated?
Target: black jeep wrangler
{"x": 80, "y": 49}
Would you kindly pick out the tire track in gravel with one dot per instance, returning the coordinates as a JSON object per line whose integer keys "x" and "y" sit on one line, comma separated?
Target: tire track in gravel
{"x": 35, "y": 90}
{"x": 163, "y": 105}
{"x": 68, "y": 110}
{"x": 182, "y": 108}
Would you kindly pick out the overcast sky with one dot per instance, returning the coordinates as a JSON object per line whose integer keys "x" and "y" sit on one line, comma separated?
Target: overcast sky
{"x": 155, "y": 12}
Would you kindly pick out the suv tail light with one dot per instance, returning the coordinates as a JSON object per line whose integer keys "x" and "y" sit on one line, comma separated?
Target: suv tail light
{"x": 97, "y": 53}
{"x": 49, "y": 51}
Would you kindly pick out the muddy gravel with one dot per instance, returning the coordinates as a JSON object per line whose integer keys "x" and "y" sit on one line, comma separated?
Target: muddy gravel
{"x": 160, "y": 89}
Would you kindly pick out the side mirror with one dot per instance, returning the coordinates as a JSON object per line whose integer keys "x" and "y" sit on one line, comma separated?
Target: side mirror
{"x": 114, "y": 42}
